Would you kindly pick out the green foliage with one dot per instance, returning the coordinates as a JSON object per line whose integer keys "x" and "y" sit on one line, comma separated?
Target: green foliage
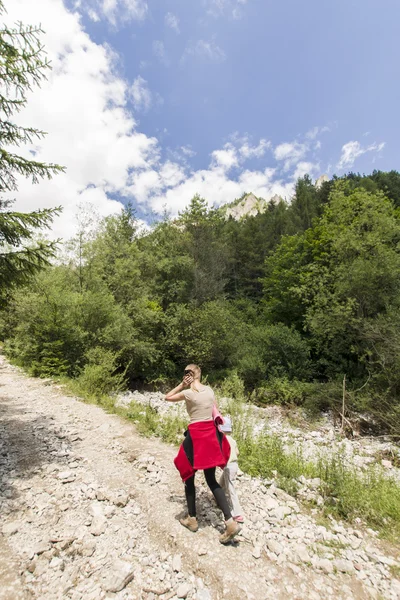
{"x": 22, "y": 66}
{"x": 149, "y": 423}
{"x": 282, "y": 391}
{"x": 232, "y": 386}
{"x": 207, "y": 335}
{"x": 100, "y": 374}
{"x": 55, "y": 326}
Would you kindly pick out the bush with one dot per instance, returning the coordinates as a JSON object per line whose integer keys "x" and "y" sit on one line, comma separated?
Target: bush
{"x": 232, "y": 386}
{"x": 268, "y": 351}
{"x": 279, "y": 390}
{"x": 99, "y": 376}
{"x": 207, "y": 335}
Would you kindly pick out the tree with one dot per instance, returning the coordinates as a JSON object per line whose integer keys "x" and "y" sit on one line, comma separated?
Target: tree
{"x": 337, "y": 276}
{"x": 205, "y": 243}
{"x": 304, "y": 206}
{"x": 22, "y": 66}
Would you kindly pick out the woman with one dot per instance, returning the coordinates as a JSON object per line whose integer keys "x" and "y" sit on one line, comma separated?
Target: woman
{"x": 204, "y": 448}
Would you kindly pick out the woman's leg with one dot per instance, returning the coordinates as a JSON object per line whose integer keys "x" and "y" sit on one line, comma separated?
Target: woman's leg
{"x": 218, "y": 492}
{"x": 190, "y": 493}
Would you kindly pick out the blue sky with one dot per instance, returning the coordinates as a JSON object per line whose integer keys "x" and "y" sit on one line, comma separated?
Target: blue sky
{"x": 213, "y": 96}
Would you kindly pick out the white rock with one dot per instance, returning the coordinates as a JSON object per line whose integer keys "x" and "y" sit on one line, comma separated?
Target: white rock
{"x": 96, "y": 509}
{"x": 66, "y": 475}
{"x": 183, "y": 590}
{"x": 119, "y": 575}
{"x": 275, "y": 547}
{"x": 387, "y": 464}
{"x": 325, "y": 565}
{"x": 11, "y": 528}
{"x": 301, "y": 552}
{"x": 98, "y": 525}
{"x": 281, "y": 512}
{"x": 176, "y": 563}
{"x": 56, "y": 563}
{"x": 270, "y": 503}
{"x": 41, "y": 547}
{"x": 345, "y": 566}
{"x": 203, "y": 595}
{"x": 121, "y": 500}
{"x": 256, "y": 552}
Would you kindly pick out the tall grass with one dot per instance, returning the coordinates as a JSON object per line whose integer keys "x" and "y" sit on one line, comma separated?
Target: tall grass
{"x": 371, "y": 495}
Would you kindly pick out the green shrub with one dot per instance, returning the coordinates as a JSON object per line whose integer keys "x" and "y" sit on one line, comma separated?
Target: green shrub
{"x": 232, "y": 386}
{"x": 279, "y": 390}
{"x": 100, "y": 375}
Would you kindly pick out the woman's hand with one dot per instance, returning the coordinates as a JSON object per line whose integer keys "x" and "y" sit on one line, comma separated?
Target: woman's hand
{"x": 187, "y": 381}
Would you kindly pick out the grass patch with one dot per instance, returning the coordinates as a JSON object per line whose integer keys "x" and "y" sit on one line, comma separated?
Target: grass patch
{"x": 395, "y": 571}
{"x": 149, "y": 423}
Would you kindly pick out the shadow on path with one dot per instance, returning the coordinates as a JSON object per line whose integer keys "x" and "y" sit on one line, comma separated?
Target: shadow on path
{"x": 27, "y": 442}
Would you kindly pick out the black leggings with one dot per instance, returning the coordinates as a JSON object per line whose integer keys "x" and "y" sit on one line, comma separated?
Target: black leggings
{"x": 216, "y": 489}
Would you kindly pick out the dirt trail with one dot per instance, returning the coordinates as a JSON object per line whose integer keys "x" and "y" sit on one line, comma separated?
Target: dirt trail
{"x": 89, "y": 509}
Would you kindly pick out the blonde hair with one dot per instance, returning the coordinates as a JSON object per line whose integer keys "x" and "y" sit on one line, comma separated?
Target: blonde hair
{"x": 195, "y": 369}
{"x": 196, "y": 373}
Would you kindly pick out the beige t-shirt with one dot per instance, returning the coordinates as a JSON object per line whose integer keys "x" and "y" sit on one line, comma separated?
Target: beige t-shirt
{"x": 199, "y": 405}
{"x": 234, "y": 449}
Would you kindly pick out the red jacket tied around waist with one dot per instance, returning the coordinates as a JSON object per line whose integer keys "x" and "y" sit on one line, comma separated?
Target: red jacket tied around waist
{"x": 204, "y": 447}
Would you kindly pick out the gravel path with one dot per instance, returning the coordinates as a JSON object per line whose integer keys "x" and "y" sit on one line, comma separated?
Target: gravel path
{"x": 90, "y": 511}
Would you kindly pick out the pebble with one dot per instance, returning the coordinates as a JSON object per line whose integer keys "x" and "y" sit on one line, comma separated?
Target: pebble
{"x": 177, "y": 563}
{"x": 99, "y": 525}
{"x": 345, "y": 566}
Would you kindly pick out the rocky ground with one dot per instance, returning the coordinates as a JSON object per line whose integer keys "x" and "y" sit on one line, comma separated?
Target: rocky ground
{"x": 89, "y": 510}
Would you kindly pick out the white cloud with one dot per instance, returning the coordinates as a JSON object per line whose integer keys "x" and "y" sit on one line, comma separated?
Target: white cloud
{"x": 353, "y": 150}
{"x": 247, "y": 151}
{"x": 188, "y": 151}
{"x": 291, "y": 153}
{"x": 218, "y": 8}
{"x": 305, "y": 168}
{"x": 160, "y": 53}
{"x": 141, "y": 95}
{"x": 205, "y": 50}
{"x": 93, "y": 15}
{"x": 83, "y": 107}
{"x": 172, "y": 21}
{"x": 316, "y": 131}
{"x": 225, "y": 158}
{"x": 115, "y": 11}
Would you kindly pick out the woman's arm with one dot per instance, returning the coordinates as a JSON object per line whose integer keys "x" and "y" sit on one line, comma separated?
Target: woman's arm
{"x": 177, "y": 394}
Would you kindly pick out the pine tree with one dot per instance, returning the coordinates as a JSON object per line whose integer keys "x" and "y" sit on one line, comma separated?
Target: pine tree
{"x": 23, "y": 65}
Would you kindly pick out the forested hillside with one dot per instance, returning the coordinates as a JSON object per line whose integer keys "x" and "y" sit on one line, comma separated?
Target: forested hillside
{"x": 286, "y": 302}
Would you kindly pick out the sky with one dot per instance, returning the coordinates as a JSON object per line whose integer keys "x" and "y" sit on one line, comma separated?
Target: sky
{"x": 153, "y": 101}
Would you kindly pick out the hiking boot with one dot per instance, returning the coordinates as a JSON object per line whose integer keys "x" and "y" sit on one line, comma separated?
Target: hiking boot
{"x": 232, "y": 529}
{"x": 190, "y": 523}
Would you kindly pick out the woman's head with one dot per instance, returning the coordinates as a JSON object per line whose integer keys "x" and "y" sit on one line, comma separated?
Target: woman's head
{"x": 193, "y": 370}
